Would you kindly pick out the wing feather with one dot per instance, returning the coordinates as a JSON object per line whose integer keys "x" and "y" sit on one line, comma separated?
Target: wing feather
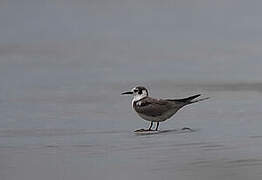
{"x": 152, "y": 107}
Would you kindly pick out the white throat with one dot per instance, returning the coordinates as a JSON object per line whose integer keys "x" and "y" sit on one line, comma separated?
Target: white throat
{"x": 138, "y": 97}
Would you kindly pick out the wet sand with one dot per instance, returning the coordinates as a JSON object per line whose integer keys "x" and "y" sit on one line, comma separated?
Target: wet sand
{"x": 225, "y": 143}
{"x": 63, "y": 65}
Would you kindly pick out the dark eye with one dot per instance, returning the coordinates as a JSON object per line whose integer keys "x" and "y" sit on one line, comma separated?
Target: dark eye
{"x": 135, "y": 90}
{"x": 140, "y": 91}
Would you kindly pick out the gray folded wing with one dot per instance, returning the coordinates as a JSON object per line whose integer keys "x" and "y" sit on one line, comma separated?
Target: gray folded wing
{"x": 153, "y": 107}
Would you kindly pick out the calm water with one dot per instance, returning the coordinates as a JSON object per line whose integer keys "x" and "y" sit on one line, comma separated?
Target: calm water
{"x": 63, "y": 66}
{"x": 72, "y": 136}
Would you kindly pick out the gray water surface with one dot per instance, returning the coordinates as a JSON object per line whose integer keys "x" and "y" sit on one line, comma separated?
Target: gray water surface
{"x": 64, "y": 64}
{"x": 225, "y": 143}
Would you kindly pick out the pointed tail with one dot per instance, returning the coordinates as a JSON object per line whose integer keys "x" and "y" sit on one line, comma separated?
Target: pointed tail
{"x": 198, "y": 100}
{"x": 191, "y": 99}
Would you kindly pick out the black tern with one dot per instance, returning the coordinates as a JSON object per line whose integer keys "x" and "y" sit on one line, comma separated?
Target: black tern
{"x": 157, "y": 110}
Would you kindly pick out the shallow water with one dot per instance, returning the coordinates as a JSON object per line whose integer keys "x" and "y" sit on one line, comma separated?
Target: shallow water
{"x": 63, "y": 66}
{"x": 225, "y": 143}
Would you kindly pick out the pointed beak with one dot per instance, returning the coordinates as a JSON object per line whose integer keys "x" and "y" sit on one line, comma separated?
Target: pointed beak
{"x": 129, "y": 92}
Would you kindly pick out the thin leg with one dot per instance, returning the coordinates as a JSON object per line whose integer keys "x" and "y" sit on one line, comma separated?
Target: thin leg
{"x": 157, "y": 126}
{"x": 150, "y": 126}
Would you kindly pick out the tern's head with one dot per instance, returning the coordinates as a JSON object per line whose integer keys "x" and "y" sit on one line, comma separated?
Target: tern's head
{"x": 138, "y": 91}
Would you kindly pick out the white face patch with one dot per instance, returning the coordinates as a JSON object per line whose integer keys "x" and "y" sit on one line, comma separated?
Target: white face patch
{"x": 137, "y": 96}
{"x": 144, "y": 92}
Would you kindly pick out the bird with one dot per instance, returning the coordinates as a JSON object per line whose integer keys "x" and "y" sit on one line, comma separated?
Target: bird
{"x": 157, "y": 110}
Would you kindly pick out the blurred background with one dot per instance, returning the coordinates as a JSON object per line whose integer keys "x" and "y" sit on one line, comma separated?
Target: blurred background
{"x": 64, "y": 63}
